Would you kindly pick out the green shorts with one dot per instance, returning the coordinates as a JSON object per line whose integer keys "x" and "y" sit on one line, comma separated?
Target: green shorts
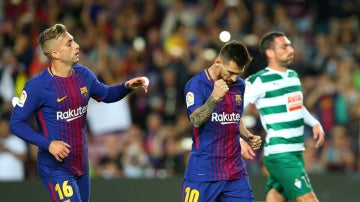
{"x": 287, "y": 174}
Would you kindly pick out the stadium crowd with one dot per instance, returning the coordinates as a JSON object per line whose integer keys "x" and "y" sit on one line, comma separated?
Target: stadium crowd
{"x": 148, "y": 135}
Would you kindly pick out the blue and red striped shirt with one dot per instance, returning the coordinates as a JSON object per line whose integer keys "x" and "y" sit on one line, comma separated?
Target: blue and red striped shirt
{"x": 216, "y": 151}
{"x": 60, "y": 106}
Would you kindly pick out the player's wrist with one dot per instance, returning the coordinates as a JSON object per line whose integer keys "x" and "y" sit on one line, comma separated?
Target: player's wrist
{"x": 216, "y": 98}
{"x": 246, "y": 135}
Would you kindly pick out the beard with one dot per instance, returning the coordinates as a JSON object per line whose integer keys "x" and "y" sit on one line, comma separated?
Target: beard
{"x": 286, "y": 62}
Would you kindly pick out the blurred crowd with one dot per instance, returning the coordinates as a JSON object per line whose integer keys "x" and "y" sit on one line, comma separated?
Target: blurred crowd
{"x": 148, "y": 135}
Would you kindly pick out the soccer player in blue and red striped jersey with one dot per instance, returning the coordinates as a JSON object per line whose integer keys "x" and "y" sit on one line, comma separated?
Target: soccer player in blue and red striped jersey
{"x": 59, "y": 98}
{"x": 214, "y": 100}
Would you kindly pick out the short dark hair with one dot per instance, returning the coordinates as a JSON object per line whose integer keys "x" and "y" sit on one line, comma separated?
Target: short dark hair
{"x": 267, "y": 41}
{"x": 235, "y": 51}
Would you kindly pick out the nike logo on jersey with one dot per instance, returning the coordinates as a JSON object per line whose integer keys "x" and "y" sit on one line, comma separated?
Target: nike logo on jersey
{"x": 61, "y": 99}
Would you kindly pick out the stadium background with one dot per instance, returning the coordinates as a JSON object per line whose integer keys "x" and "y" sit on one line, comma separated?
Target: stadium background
{"x": 138, "y": 147}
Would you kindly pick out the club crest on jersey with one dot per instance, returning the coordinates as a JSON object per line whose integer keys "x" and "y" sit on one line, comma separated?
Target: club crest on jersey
{"x": 189, "y": 99}
{"x": 22, "y": 99}
{"x": 297, "y": 183}
{"x": 84, "y": 92}
{"x": 238, "y": 99}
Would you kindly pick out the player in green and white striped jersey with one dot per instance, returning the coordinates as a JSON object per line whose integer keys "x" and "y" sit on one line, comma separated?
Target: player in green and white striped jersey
{"x": 277, "y": 94}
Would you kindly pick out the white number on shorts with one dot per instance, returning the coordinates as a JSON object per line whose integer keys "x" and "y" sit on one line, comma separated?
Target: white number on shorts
{"x": 306, "y": 180}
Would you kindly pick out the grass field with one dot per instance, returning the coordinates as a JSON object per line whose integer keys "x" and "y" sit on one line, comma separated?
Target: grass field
{"x": 329, "y": 188}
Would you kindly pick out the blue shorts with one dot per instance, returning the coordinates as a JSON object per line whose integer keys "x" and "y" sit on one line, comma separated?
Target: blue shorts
{"x": 64, "y": 187}
{"x": 220, "y": 191}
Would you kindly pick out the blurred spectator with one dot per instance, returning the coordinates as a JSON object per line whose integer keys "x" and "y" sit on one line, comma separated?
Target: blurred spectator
{"x": 164, "y": 145}
{"x": 172, "y": 159}
{"x": 172, "y": 95}
{"x": 31, "y": 172}
{"x": 337, "y": 155}
{"x": 182, "y": 126}
{"x": 12, "y": 153}
{"x": 140, "y": 109}
{"x": 115, "y": 117}
{"x": 153, "y": 14}
{"x": 281, "y": 19}
{"x": 135, "y": 160}
{"x": 322, "y": 100}
{"x": 177, "y": 16}
{"x": 110, "y": 165}
{"x": 38, "y": 63}
{"x": 319, "y": 58}
{"x": 311, "y": 157}
{"x": 167, "y": 40}
{"x": 300, "y": 13}
{"x": 7, "y": 69}
{"x": 154, "y": 137}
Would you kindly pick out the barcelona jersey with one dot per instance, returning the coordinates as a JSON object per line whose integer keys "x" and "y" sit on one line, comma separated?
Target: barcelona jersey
{"x": 216, "y": 151}
{"x": 60, "y": 106}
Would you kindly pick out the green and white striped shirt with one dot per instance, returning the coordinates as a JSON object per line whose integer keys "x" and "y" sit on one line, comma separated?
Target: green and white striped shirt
{"x": 279, "y": 100}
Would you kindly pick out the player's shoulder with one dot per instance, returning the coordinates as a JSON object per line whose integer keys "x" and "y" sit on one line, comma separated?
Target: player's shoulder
{"x": 39, "y": 79}
{"x": 81, "y": 68}
{"x": 240, "y": 80}
{"x": 199, "y": 79}
{"x": 252, "y": 78}
{"x": 292, "y": 73}
{"x": 199, "y": 82}
{"x": 83, "y": 71}
{"x": 267, "y": 76}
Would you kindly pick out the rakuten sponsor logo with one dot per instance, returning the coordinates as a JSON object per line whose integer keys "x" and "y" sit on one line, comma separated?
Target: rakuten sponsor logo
{"x": 225, "y": 118}
{"x": 71, "y": 114}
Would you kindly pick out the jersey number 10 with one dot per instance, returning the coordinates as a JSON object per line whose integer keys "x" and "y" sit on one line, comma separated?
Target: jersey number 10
{"x": 192, "y": 195}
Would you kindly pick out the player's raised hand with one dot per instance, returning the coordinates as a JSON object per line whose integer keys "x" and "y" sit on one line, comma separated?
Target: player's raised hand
{"x": 220, "y": 89}
{"x": 138, "y": 82}
{"x": 59, "y": 149}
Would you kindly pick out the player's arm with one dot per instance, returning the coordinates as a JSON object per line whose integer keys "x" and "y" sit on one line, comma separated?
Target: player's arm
{"x": 29, "y": 102}
{"x": 202, "y": 114}
{"x": 20, "y": 128}
{"x": 104, "y": 93}
{"x": 248, "y": 142}
{"x": 253, "y": 140}
{"x": 318, "y": 131}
